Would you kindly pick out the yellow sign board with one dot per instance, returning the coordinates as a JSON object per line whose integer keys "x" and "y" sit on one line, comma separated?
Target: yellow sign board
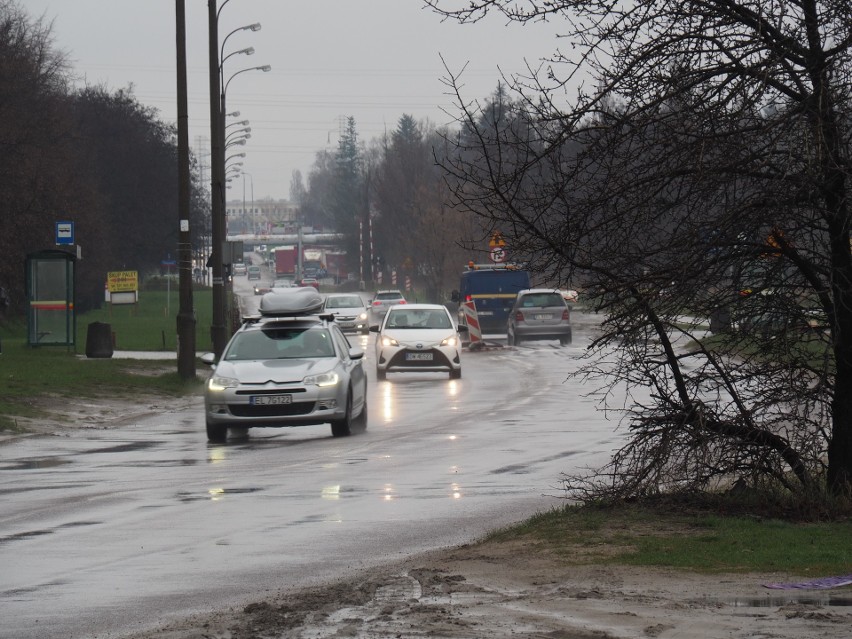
{"x": 121, "y": 281}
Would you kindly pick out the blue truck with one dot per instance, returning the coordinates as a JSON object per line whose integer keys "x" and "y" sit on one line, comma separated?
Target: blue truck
{"x": 493, "y": 288}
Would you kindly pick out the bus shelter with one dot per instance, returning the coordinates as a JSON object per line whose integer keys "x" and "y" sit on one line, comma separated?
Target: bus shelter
{"x": 50, "y": 298}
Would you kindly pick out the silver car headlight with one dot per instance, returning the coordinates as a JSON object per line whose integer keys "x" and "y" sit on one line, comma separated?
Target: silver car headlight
{"x": 449, "y": 341}
{"x": 389, "y": 341}
{"x": 323, "y": 379}
{"x": 220, "y": 383}
{"x": 362, "y": 316}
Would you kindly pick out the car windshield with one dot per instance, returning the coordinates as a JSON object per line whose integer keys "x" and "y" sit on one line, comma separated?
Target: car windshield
{"x": 344, "y": 302}
{"x": 542, "y": 299}
{"x": 280, "y": 343}
{"x": 420, "y": 318}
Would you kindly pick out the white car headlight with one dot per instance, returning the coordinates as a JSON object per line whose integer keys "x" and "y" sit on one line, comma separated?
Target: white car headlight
{"x": 449, "y": 341}
{"x": 323, "y": 379}
{"x": 220, "y": 383}
{"x": 362, "y": 316}
{"x": 389, "y": 341}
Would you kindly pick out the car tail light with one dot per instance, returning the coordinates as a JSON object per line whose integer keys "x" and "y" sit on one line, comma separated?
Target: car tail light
{"x": 401, "y": 302}
{"x": 519, "y": 316}
{"x": 377, "y": 303}
{"x": 565, "y": 315}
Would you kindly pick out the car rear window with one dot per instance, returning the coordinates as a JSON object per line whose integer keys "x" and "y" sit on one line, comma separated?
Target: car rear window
{"x": 541, "y": 299}
{"x": 388, "y": 296}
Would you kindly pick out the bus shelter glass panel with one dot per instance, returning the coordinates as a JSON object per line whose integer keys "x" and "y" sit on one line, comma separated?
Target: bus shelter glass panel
{"x": 50, "y": 288}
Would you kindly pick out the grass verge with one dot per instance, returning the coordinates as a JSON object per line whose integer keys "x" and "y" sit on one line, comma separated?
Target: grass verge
{"x": 28, "y": 375}
{"x": 649, "y": 534}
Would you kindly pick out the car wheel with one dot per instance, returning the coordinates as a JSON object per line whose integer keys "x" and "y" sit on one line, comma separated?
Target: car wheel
{"x": 343, "y": 427}
{"x": 564, "y": 341}
{"x": 359, "y": 424}
{"x": 380, "y": 374}
{"x": 510, "y": 338}
{"x": 455, "y": 374}
{"x": 216, "y": 433}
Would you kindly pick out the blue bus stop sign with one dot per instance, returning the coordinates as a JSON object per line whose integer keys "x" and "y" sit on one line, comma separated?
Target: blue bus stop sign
{"x": 65, "y": 233}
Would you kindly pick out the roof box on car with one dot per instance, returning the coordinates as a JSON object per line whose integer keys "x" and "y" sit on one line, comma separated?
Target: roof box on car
{"x": 292, "y": 302}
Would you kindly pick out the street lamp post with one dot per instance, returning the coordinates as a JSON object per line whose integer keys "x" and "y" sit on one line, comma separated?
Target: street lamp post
{"x": 218, "y": 330}
{"x": 217, "y": 186}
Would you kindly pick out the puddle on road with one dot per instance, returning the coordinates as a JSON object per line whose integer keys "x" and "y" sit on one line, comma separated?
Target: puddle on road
{"x": 215, "y": 493}
{"x": 30, "y": 534}
{"x": 123, "y": 448}
{"x": 777, "y": 602}
{"x": 35, "y": 464}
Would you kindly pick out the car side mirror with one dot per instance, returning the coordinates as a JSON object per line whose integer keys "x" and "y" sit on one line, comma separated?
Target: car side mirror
{"x": 462, "y": 328}
{"x": 374, "y": 328}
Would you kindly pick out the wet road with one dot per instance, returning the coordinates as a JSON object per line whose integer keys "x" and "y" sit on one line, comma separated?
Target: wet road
{"x": 106, "y": 533}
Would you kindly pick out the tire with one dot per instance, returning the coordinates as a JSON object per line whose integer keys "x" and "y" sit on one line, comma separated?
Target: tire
{"x": 381, "y": 375}
{"x": 216, "y": 433}
{"x": 455, "y": 374}
{"x": 343, "y": 427}
{"x": 359, "y": 424}
{"x": 510, "y": 338}
{"x": 564, "y": 341}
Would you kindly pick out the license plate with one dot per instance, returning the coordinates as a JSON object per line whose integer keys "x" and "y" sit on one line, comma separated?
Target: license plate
{"x": 347, "y": 324}
{"x": 544, "y": 316}
{"x": 418, "y": 357}
{"x": 270, "y": 400}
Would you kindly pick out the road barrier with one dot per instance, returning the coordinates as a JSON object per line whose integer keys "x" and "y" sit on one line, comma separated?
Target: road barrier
{"x": 474, "y": 333}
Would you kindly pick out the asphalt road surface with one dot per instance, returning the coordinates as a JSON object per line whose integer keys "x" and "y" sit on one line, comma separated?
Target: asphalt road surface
{"x": 107, "y": 532}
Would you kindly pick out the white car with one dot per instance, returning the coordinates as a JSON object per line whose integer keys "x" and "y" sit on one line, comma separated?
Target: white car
{"x": 417, "y": 338}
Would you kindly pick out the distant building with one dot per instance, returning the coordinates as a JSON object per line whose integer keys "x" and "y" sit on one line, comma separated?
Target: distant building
{"x": 259, "y": 216}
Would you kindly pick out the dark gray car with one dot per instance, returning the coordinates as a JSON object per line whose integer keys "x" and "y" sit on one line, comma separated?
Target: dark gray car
{"x": 538, "y": 314}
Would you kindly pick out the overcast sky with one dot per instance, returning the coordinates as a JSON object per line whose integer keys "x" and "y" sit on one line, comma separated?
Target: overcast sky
{"x": 371, "y": 59}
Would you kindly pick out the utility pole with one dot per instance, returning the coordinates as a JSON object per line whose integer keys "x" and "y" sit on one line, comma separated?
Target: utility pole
{"x": 217, "y": 184}
{"x": 186, "y": 312}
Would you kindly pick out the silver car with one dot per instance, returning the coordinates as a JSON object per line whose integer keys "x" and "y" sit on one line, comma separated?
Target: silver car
{"x": 381, "y": 302}
{"x": 349, "y": 310}
{"x": 285, "y": 371}
{"x": 539, "y": 313}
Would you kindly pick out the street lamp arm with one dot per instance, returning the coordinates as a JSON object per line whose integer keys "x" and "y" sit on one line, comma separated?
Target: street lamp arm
{"x": 265, "y": 68}
{"x": 252, "y": 27}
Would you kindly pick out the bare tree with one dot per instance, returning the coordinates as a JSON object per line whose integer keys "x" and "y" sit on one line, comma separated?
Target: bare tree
{"x": 702, "y": 170}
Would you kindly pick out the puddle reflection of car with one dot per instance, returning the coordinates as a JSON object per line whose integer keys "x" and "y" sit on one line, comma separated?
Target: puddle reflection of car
{"x": 539, "y": 314}
{"x": 417, "y": 338}
{"x": 288, "y": 367}
{"x": 350, "y": 312}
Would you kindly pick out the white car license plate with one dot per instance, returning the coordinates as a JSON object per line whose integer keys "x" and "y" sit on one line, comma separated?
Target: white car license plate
{"x": 544, "y": 316}
{"x": 347, "y": 324}
{"x": 270, "y": 400}
{"x": 418, "y": 357}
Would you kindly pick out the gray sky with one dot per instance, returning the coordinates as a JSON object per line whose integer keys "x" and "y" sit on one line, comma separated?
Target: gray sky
{"x": 370, "y": 59}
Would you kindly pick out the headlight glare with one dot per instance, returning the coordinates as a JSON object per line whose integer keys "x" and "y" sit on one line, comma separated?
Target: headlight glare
{"x": 449, "y": 341}
{"x": 220, "y": 383}
{"x": 323, "y": 379}
{"x": 389, "y": 341}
